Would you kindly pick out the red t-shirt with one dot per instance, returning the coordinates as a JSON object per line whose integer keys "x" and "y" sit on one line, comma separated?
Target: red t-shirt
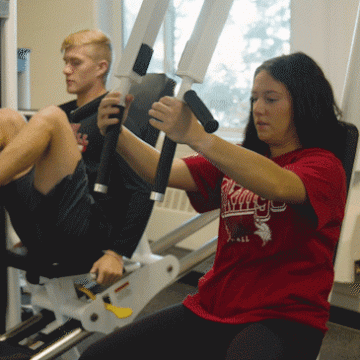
{"x": 273, "y": 260}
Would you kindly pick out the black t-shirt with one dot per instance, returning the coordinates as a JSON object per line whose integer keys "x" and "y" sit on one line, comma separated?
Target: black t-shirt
{"x": 127, "y": 204}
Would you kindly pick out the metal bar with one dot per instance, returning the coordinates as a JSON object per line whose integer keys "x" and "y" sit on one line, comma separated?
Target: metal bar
{"x": 132, "y": 67}
{"x": 192, "y": 68}
{"x": 8, "y": 34}
{"x": 62, "y": 345}
{"x": 188, "y": 262}
{"x": 33, "y": 324}
{"x": 183, "y": 231}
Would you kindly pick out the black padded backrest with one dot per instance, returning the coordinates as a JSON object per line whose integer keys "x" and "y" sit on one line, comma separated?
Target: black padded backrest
{"x": 348, "y": 144}
{"x": 151, "y": 89}
{"x": 348, "y": 140}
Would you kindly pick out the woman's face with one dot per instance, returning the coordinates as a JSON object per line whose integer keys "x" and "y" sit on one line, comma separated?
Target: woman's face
{"x": 273, "y": 116}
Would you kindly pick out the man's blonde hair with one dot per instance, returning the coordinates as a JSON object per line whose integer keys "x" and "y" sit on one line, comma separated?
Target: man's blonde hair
{"x": 102, "y": 49}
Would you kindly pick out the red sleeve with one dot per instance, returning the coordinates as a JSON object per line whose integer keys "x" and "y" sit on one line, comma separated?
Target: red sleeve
{"x": 208, "y": 179}
{"x": 325, "y": 181}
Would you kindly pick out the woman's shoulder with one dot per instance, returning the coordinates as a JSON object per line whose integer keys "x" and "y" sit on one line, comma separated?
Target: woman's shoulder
{"x": 315, "y": 162}
{"x": 310, "y": 154}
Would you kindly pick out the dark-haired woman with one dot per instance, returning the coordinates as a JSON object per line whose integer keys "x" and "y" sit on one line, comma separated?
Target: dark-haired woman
{"x": 282, "y": 196}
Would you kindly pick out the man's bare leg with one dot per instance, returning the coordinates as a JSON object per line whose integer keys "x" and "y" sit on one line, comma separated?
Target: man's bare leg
{"x": 46, "y": 141}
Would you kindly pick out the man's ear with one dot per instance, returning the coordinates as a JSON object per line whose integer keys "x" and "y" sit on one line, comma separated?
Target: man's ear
{"x": 103, "y": 67}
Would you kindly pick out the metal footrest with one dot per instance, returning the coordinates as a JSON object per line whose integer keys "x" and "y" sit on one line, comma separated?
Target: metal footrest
{"x": 31, "y": 339}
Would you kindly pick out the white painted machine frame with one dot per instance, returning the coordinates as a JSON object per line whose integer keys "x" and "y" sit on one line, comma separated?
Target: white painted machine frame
{"x": 133, "y": 291}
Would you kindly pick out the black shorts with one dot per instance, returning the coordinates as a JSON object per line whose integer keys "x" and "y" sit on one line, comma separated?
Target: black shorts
{"x": 63, "y": 224}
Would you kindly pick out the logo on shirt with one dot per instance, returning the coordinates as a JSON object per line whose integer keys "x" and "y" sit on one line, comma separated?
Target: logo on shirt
{"x": 263, "y": 231}
{"x": 246, "y": 213}
{"x": 80, "y": 138}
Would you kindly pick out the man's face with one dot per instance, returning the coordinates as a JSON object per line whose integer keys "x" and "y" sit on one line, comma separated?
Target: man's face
{"x": 81, "y": 71}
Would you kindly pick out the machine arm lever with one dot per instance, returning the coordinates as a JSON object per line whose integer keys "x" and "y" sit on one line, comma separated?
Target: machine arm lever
{"x": 132, "y": 67}
{"x": 192, "y": 68}
{"x": 210, "y": 125}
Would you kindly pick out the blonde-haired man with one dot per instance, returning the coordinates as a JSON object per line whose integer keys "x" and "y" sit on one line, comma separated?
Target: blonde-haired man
{"x": 87, "y": 57}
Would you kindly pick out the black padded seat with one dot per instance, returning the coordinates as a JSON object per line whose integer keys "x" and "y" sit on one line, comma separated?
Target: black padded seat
{"x": 34, "y": 269}
{"x": 348, "y": 140}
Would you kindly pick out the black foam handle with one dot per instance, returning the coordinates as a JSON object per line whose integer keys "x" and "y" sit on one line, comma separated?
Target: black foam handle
{"x": 111, "y": 138}
{"x": 164, "y": 166}
{"x": 168, "y": 149}
{"x": 201, "y": 112}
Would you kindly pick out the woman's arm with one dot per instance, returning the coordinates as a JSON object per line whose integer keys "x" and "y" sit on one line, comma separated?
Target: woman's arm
{"x": 253, "y": 171}
{"x": 142, "y": 157}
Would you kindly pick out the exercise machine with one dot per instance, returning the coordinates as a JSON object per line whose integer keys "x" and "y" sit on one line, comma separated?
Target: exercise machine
{"x": 145, "y": 259}
{"x": 67, "y": 306}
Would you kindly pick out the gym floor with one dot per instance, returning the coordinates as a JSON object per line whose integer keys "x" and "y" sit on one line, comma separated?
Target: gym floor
{"x": 340, "y": 343}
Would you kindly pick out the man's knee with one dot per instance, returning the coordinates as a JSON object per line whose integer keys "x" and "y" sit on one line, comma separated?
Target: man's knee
{"x": 52, "y": 118}
{"x": 54, "y": 114}
{"x": 12, "y": 116}
{"x": 11, "y": 123}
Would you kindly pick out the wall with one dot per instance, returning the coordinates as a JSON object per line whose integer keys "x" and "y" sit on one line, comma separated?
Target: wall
{"x": 324, "y": 29}
{"x": 42, "y": 26}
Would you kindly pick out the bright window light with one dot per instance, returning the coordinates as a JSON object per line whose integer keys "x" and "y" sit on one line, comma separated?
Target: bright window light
{"x": 256, "y": 30}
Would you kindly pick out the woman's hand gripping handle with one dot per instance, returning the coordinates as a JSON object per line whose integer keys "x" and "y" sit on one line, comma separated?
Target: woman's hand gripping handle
{"x": 210, "y": 125}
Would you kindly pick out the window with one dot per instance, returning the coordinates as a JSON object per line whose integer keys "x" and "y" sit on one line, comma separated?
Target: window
{"x": 256, "y": 30}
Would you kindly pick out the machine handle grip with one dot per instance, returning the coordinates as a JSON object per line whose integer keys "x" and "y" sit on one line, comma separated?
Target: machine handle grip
{"x": 168, "y": 149}
{"x": 201, "y": 112}
{"x": 163, "y": 169}
{"x": 111, "y": 138}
